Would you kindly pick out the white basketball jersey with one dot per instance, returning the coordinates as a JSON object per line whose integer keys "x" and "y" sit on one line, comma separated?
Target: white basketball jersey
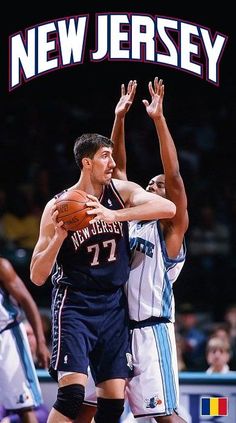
{"x": 150, "y": 285}
{"x": 9, "y": 310}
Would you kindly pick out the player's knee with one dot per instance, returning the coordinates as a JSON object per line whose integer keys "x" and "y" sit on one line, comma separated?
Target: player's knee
{"x": 109, "y": 410}
{"x": 69, "y": 400}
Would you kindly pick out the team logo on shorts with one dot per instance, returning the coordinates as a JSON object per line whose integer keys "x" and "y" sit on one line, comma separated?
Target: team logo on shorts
{"x": 22, "y": 398}
{"x": 153, "y": 402}
{"x": 129, "y": 359}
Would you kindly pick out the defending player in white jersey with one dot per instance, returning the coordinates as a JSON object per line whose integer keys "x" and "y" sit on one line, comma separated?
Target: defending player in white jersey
{"x": 158, "y": 257}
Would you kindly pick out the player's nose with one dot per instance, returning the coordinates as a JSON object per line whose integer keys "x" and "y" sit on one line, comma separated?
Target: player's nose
{"x": 112, "y": 162}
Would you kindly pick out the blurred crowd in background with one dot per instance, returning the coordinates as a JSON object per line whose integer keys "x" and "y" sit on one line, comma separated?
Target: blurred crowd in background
{"x": 36, "y": 162}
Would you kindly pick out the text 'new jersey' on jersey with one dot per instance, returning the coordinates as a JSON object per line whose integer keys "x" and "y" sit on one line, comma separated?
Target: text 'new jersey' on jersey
{"x": 98, "y": 256}
{"x": 149, "y": 288}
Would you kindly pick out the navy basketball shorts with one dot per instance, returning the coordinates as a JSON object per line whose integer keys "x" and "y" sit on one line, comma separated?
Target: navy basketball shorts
{"x": 90, "y": 328}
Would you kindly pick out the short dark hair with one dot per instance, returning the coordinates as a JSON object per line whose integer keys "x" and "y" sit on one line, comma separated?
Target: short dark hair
{"x": 87, "y": 145}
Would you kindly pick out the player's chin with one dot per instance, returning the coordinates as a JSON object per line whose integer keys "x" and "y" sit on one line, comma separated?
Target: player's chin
{"x": 107, "y": 178}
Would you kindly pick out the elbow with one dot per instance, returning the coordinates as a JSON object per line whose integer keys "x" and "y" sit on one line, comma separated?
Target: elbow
{"x": 171, "y": 210}
{"x": 165, "y": 210}
{"x": 37, "y": 279}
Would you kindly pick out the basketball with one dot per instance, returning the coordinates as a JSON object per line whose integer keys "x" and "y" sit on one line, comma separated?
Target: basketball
{"x": 71, "y": 206}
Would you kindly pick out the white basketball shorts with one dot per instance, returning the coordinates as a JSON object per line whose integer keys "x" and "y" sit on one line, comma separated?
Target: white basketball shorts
{"x": 19, "y": 387}
{"x": 154, "y": 389}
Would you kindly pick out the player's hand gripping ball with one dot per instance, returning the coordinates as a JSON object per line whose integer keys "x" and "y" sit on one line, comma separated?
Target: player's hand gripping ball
{"x": 71, "y": 206}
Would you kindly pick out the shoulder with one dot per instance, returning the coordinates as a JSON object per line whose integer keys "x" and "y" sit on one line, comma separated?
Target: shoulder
{"x": 118, "y": 183}
{"x": 5, "y": 264}
{"x": 126, "y": 190}
{"x": 48, "y": 207}
{"x": 125, "y": 187}
{"x": 6, "y": 270}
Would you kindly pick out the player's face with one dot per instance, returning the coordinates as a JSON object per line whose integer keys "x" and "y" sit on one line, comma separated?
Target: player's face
{"x": 157, "y": 185}
{"x": 102, "y": 166}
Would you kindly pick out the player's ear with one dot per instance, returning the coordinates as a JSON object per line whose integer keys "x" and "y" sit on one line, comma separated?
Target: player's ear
{"x": 86, "y": 162}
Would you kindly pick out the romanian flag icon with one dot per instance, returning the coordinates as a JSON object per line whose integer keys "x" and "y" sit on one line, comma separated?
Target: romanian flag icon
{"x": 214, "y": 406}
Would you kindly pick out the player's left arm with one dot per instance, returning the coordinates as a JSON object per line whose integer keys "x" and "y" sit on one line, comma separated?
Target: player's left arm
{"x": 17, "y": 289}
{"x": 174, "y": 185}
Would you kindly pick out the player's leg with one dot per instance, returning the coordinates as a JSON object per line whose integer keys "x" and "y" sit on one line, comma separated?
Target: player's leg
{"x": 28, "y": 417}
{"x": 110, "y": 401}
{"x": 111, "y": 361}
{"x": 88, "y": 408}
{"x": 70, "y": 352}
{"x": 110, "y": 404}
{"x": 86, "y": 414}
{"x": 69, "y": 398}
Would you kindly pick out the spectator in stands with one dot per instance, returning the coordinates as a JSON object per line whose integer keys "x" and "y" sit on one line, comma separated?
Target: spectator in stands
{"x": 224, "y": 331}
{"x": 218, "y": 353}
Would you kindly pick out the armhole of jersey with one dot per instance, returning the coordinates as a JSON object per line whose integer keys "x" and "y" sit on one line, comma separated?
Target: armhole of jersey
{"x": 117, "y": 193}
{"x": 60, "y": 193}
{"x": 169, "y": 261}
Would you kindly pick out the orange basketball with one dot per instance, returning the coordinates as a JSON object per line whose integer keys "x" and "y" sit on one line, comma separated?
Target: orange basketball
{"x": 71, "y": 206}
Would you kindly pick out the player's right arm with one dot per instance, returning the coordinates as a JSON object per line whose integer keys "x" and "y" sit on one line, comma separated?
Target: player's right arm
{"x": 139, "y": 205}
{"x": 51, "y": 237}
{"x": 118, "y": 129}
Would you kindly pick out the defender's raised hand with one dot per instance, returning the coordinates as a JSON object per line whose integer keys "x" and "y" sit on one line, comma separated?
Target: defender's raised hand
{"x": 126, "y": 99}
{"x": 155, "y": 107}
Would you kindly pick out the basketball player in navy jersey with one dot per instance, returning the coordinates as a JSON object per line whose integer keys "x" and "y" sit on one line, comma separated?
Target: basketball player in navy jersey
{"x": 158, "y": 257}
{"x": 89, "y": 268}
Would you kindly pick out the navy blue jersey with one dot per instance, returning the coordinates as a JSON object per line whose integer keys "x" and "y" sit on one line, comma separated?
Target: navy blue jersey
{"x": 98, "y": 256}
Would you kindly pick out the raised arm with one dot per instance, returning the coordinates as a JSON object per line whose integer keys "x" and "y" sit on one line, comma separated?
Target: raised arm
{"x": 17, "y": 289}
{"x": 118, "y": 129}
{"x": 174, "y": 184}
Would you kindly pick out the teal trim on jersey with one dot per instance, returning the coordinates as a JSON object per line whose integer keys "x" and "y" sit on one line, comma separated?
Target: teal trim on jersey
{"x": 169, "y": 262}
{"x": 167, "y": 294}
{"x": 167, "y": 297}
